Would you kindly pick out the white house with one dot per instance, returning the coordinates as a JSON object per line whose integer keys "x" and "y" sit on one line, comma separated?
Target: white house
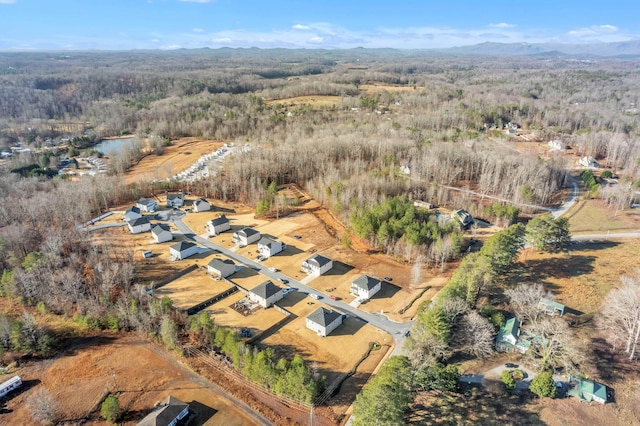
{"x": 7, "y": 386}
{"x": 268, "y": 247}
{"x": 589, "y": 162}
{"x": 323, "y": 321}
{"x": 246, "y": 236}
{"x": 317, "y": 265}
{"x": 161, "y": 233}
{"x": 169, "y": 413}
{"x": 147, "y": 205}
{"x": 365, "y": 286}
{"x": 557, "y": 144}
{"x": 266, "y": 294}
{"x": 218, "y": 225}
{"x": 139, "y": 225}
{"x": 183, "y": 249}
{"x": 201, "y": 205}
{"x": 221, "y": 267}
{"x": 132, "y": 213}
{"x": 175, "y": 200}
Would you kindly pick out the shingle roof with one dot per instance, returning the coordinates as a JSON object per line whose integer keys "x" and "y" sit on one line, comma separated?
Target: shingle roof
{"x": 219, "y": 220}
{"x": 174, "y": 196}
{"x": 159, "y": 229}
{"x": 200, "y": 201}
{"x": 166, "y": 414}
{"x": 248, "y": 231}
{"x": 366, "y": 282}
{"x": 323, "y": 316}
{"x": 133, "y": 209}
{"x": 139, "y": 221}
{"x": 183, "y": 245}
{"x": 266, "y": 289}
{"x": 144, "y": 201}
{"x": 319, "y": 259}
{"x": 217, "y": 263}
{"x": 266, "y": 241}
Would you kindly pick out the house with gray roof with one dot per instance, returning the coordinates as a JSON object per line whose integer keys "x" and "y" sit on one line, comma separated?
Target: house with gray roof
{"x": 182, "y": 250}
{"x": 218, "y": 225}
{"x": 147, "y": 205}
{"x": 365, "y": 286}
{"x": 221, "y": 267}
{"x": 201, "y": 205}
{"x": 139, "y": 225}
{"x": 168, "y": 413}
{"x": 317, "y": 265}
{"x": 268, "y": 247}
{"x": 266, "y": 294}
{"x": 323, "y": 321}
{"x": 132, "y": 213}
{"x": 246, "y": 236}
{"x": 161, "y": 233}
{"x": 175, "y": 199}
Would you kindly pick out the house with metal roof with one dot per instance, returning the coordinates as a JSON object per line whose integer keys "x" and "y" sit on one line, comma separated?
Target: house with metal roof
{"x": 266, "y": 294}
{"x": 365, "y": 286}
{"x": 551, "y": 307}
{"x": 587, "y": 390}
{"x": 317, "y": 265}
{"x": 323, "y": 321}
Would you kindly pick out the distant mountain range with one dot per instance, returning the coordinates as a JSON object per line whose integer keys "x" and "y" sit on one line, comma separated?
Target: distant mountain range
{"x": 619, "y": 49}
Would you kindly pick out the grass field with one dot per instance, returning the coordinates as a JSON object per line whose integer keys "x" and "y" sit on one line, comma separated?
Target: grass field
{"x": 317, "y": 101}
{"x": 592, "y": 216}
{"x": 191, "y": 289}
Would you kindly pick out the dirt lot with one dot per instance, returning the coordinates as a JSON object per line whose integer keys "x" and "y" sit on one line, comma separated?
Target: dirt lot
{"x": 176, "y": 158}
{"x": 313, "y": 101}
{"x": 142, "y": 372}
{"x": 191, "y": 289}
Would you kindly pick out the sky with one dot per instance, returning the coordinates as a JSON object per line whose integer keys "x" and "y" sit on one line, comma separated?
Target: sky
{"x": 405, "y": 24}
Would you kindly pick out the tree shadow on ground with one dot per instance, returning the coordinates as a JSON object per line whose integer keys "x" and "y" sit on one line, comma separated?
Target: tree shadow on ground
{"x": 612, "y": 365}
{"x": 538, "y": 270}
{"x": 73, "y": 344}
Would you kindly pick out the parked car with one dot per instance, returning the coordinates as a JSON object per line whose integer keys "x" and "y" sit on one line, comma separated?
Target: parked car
{"x": 272, "y": 269}
{"x": 297, "y": 237}
{"x": 287, "y": 291}
{"x": 511, "y": 365}
{"x": 315, "y": 296}
{"x": 283, "y": 281}
{"x": 388, "y": 278}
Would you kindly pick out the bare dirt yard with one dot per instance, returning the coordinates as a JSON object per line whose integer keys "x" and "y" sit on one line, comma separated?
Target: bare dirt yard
{"x": 142, "y": 372}
{"x": 177, "y": 157}
{"x": 191, "y": 289}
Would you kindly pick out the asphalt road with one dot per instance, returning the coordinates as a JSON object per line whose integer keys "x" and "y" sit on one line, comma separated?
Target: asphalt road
{"x": 395, "y": 329}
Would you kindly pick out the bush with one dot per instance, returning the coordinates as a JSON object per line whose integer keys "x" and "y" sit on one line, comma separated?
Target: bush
{"x": 508, "y": 380}
{"x": 110, "y": 408}
{"x": 543, "y": 385}
{"x": 517, "y": 374}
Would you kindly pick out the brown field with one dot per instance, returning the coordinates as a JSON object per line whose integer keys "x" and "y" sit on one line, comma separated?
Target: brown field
{"x": 381, "y": 87}
{"x": 176, "y": 158}
{"x": 582, "y": 277}
{"x": 592, "y": 216}
{"x": 141, "y": 371}
{"x": 191, "y": 289}
{"x": 224, "y": 314}
{"x": 318, "y": 101}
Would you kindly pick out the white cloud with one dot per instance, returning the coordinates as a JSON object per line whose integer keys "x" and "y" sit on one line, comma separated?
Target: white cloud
{"x": 7, "y": 1}
{"x": 301, "y": 27}
{"x": 502, "y": 25}
{"x": 316, "y": 39}
{"x": 197, "y": 30}
{"x": 222, "y": 40}
{"x": 594, "y": 30}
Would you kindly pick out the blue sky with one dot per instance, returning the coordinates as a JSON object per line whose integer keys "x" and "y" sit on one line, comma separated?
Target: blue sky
{"x": 170, "y": 24}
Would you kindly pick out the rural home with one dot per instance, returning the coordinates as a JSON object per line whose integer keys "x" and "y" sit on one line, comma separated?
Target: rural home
{"x": 317, "y": 265}
{"x": 161, "y": 233}
{"x": 323, "y": 321}
{"x": 201, "y": 205}
{"x": 246, "y": 236}
{"x": 139, "y": 225}
{"x": 463, "y": 217}
{"x": 169, "y": 413}
{"x": 266, "y": 294}
{"x": 587, "y": 390}
{"x": 550, "y": 307}
{"x": 13, "y": 383}
{"x": 268, "y": 247}
{"x": 557, "y": 144}
{"x": 132, "y": 213}
{"x": 221, "y": 267}
{"x": 508, "y": 337}
{"x": 365, "y": 286}
{"x": 182, "y": 250}
{"x": 218, "y": 225}
{"x": 589, "y": 162}
{"x": 175, "y": 200}
{"x": 147, "y": 205}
